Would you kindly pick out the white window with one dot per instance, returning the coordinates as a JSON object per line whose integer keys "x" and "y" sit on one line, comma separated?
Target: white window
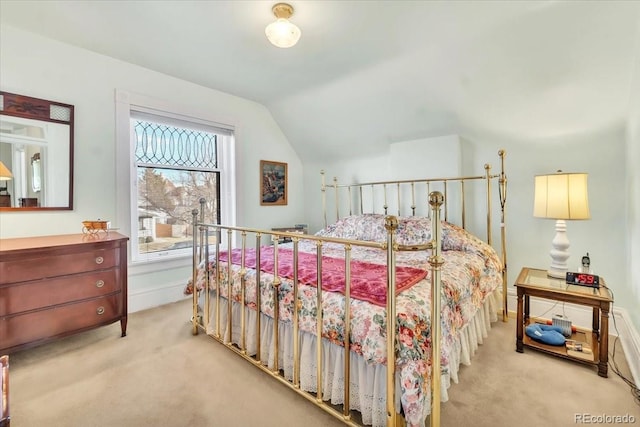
{"x": 175, "y": 161}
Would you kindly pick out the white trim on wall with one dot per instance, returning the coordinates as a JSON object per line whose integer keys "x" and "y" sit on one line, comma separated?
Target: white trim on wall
{"x": 142, "y": 299}
{"x": 630, "y": 339}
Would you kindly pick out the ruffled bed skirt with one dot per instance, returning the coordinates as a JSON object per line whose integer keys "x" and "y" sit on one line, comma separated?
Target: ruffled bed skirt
{"x": 367, "y": 381}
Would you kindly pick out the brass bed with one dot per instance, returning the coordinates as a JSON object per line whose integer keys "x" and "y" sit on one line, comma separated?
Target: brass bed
{"x": 349, "y": 374}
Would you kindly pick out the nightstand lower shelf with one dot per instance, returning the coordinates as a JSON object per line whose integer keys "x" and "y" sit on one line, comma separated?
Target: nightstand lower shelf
{"x": 584, "y": 336}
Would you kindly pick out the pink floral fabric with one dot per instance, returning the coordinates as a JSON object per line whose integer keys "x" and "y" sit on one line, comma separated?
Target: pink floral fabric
{"x": 368, "y": 281}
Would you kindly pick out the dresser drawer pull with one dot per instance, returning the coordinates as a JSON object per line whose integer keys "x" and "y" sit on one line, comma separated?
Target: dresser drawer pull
{"x": 99, "y": 260}
{"x": 100, "y": 310}
{"x": 99, "y": 283}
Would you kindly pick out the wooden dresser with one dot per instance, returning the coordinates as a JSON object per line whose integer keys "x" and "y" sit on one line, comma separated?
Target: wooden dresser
{"x": 54, "y": 286}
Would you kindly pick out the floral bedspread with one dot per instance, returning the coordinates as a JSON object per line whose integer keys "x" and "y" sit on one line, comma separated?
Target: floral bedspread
{"x": 471, "y": 271}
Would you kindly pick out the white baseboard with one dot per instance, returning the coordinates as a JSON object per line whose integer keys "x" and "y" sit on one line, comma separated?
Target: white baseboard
{"x": 619, "y": 324}
{"x": 630, "y": 340}
{"x": 143, "y": 299}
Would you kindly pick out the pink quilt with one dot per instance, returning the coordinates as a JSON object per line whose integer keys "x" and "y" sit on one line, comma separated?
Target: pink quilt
{"x": 368, "y": 281}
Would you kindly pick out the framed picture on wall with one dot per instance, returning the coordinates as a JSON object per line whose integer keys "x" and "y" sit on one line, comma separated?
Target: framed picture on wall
{"x": 273, "y": 183}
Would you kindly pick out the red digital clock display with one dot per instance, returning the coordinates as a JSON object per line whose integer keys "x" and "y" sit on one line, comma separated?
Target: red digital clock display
{"x": 583, "y": 279}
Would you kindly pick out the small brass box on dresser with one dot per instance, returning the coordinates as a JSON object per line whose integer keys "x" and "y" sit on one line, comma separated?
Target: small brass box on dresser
{"x": 55, "y": 286}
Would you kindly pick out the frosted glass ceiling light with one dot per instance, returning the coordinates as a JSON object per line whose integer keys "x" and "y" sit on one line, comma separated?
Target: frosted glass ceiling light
{"x": 282, "y": 33}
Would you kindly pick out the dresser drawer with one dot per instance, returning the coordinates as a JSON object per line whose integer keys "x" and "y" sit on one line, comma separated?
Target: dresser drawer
{"x": 25, "y": 296}
{"x": 58, "y": 285}
{"x": 59, "y": 321}
{"x": 40, "y": 267}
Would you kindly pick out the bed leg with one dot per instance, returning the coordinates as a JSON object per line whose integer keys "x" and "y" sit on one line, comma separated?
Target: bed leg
{"x": 194, "y": 320}
{"x": 194, "y": 268}
{"x": 194, "y": 317}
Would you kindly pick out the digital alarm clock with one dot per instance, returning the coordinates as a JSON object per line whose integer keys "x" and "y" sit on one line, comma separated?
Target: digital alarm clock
{"x": 583, "y": 279}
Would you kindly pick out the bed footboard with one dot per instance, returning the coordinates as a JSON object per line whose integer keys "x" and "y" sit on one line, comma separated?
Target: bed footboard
{"x": 215, "y": 242}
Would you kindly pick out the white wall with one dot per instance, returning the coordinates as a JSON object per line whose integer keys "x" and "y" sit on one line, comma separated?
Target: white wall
{"x": 633, "y": 188}
{"x": 633, "y": 209}
{"x": 44, "y": 68}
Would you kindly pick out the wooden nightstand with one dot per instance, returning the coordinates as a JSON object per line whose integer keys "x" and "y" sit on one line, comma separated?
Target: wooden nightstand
{"x": 536, "y": 283}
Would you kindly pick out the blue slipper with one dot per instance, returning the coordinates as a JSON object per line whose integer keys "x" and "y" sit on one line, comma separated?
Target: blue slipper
{"x": 547, "y": 334}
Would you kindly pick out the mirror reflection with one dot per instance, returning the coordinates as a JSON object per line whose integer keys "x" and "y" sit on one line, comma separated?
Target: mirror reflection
{"x": 36, "y": 152}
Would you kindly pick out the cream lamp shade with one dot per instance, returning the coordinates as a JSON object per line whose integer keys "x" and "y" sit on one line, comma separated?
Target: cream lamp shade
{"x": 281, "y": 32}
{"x": 5, "y": 173}
{"x": 561, "y": 196}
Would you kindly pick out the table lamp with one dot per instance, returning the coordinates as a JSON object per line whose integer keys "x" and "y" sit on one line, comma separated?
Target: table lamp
{"x": 561, "y": 196}
{"x": 5, "y": 175}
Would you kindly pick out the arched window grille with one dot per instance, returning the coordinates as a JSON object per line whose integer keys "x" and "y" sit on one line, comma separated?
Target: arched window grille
{"x": 164, "y": 145}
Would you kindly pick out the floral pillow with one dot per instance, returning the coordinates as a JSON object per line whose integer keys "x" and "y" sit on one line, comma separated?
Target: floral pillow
{"x": 412, "y": 230}
{"x": 455, "y": 238}
{"x": 415, "y": 230}
{"x": 368, "y": 227}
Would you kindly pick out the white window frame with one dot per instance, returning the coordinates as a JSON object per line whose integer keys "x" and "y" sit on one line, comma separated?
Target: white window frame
{"x": 126, "y": 172}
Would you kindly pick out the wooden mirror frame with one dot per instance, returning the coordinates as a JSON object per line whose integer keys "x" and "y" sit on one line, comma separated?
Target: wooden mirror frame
{"x": 43, "y": 110}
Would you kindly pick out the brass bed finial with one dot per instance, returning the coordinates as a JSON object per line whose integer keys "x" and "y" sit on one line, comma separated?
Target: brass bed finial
{"x": 436, "y": 199}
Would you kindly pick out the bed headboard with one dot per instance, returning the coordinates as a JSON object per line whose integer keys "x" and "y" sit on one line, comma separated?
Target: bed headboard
{"x": 410, "y": 197}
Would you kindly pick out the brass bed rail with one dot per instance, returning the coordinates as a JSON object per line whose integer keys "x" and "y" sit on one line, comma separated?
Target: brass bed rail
{"x": 201, "y": 253}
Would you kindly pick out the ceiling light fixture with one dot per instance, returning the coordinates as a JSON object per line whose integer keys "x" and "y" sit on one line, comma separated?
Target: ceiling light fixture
{"x": 281, "y": 32}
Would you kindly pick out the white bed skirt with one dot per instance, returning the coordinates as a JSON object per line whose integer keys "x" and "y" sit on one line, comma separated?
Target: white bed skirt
{"x": 367, "y": 381}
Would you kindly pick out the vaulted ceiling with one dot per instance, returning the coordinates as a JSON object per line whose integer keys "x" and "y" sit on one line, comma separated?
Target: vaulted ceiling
{"x": 369, "y": 73}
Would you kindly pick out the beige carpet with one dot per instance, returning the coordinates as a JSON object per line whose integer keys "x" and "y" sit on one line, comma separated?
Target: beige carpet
{"x": 161, "y": 375}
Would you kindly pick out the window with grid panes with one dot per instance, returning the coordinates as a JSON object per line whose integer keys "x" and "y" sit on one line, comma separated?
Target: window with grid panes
{"x": 177, "y": 163}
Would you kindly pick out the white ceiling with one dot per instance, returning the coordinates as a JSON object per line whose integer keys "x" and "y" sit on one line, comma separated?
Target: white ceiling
{"x": 368, "y": 73}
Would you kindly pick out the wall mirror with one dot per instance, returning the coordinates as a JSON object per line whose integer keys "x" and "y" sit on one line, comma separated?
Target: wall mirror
{"x": 36, "y": 154}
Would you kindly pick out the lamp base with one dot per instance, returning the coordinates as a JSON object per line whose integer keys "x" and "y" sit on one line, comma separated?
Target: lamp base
{"x": 558, "y": 274}
{"x": 559, "y": 251}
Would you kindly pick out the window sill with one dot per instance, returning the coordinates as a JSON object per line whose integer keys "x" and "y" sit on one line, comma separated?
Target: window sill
{"x": 158, "y": 264}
